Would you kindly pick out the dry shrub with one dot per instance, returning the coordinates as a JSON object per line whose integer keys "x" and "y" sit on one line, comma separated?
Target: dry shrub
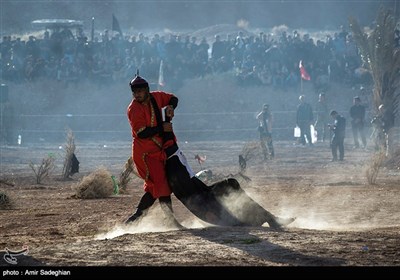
{"x": 42, "y": 171}
{"x": 5, "y": 201}
{"x": 374, "y": 166}
{"x": 95, "y": 185}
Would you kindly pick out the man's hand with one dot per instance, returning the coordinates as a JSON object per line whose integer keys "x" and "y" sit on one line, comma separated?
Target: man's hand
{"x": 167, "y": 127}
{"x": 169, "y": 111}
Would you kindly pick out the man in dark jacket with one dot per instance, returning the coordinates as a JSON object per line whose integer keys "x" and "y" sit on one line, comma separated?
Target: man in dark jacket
{"x": 338, "y": 128}
{"x": 304, "y": 119}
{"x": 357, "y": 114}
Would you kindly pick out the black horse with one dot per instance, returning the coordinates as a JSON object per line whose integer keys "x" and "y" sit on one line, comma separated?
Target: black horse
{"x": 223, "y": 203}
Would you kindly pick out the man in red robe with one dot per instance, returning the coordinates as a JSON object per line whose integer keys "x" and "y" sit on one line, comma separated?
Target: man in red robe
{"x": 149, "y": 142}
{"x": 164, "y": 168}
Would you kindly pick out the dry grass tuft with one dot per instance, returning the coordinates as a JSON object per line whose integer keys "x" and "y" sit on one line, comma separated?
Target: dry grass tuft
{"x": 375, "y": 164}
{"x": 98, "y": 184}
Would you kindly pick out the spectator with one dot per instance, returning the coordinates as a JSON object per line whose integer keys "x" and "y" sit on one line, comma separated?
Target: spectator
{"x": 337, "y": 142}
{"x": 321, "y": 124}
{"x": 382, "y": 122}
{"x": 265, "y": 130}
{"x": 357, "y": 113}
{"x": 304, "y": 119}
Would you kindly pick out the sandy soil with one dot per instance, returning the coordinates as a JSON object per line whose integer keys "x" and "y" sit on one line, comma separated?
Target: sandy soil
{"x": 341, "y": 220}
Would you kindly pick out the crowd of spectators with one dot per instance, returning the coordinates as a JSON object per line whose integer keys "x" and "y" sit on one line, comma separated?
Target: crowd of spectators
{"x": 261, "y": 59}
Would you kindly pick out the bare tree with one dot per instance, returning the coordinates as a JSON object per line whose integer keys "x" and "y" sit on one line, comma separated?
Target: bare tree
{"x": 42, "y": 171}
{"x": 125, "y": 175}
{"x": 379, "y": 53}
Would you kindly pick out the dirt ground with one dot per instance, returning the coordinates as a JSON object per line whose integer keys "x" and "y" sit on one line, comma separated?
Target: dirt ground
{"x": 341, "y": 220}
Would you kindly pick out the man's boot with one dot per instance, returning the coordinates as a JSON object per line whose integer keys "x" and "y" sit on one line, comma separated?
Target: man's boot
{"x": 146, "y": 201}
{"x": 136, "y": 215}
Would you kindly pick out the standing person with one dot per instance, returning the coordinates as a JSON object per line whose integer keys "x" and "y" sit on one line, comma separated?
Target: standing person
{"x": 321, "y": 124}
{"x": 304, "y": 119}
{"x": 338, "y": 128}
{"x": 382, "y": 122}
{"x": 265, "y": 129}
{"x": 148, "y": 146}
{"x": 357, "y": 113}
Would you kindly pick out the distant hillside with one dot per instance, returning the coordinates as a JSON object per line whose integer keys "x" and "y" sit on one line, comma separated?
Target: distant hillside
{"x": 177, "y": 15}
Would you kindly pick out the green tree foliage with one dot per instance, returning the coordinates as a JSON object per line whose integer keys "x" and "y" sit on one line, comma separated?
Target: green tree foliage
{"x": 378, "y": 52}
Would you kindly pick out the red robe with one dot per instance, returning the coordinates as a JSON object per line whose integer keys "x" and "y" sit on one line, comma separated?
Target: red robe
{"x": 147, "y": 153}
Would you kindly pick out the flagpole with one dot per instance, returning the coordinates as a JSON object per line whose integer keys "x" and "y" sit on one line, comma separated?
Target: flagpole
{"x": 301, "y": 84}
{"x": 301, "y": 76}
{"x": 92, "y": 32}
{"x": 161, "y": 75}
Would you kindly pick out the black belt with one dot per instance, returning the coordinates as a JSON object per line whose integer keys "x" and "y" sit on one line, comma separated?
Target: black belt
{"x": 171, "y": 150}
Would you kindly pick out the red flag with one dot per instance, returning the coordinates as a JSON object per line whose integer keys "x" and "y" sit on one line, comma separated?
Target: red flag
{"x": 303, "y": 72}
